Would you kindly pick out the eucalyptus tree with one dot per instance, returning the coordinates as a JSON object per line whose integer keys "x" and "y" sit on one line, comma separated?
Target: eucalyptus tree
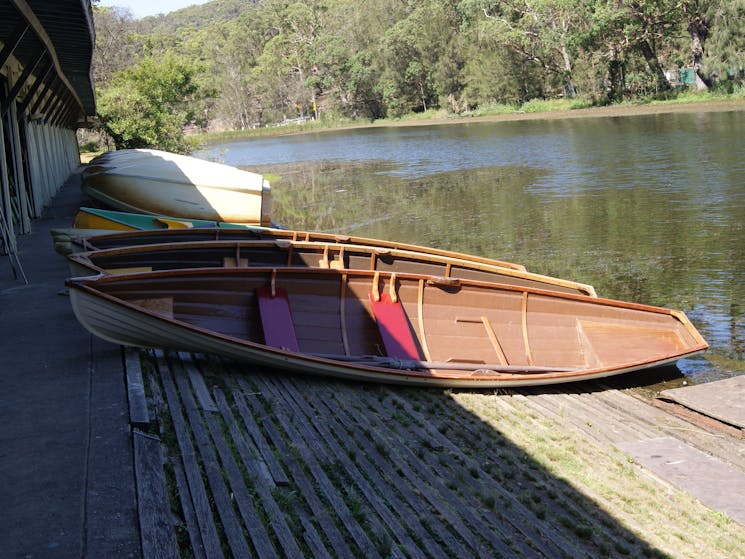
{"x": 116, "y": 42}
{"x": 410, "y": 53}
{"x": 621, "y": 31}
{"x": 717, "y": 40}
{"x": 545, "y": 33}
{"x": 288, "y": 64}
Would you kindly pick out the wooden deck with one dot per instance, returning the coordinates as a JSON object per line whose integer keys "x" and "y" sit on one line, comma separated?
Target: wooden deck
{"x": 261, "y": 464}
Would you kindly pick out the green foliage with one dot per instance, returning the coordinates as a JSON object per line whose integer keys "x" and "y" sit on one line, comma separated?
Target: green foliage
{"x": 150, "y": 103}
{"x": 248, "y": 64}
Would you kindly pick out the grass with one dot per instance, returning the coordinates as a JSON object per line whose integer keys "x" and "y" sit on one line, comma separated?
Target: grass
{"x": 682, "y": 96}
{"x": 604, "y": 475}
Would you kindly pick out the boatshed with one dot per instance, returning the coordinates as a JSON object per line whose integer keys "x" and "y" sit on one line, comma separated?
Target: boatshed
{"x": 46, "y": 93}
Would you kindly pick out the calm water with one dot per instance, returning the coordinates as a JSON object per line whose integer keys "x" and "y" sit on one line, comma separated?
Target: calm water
{"x": 646, "y": 208}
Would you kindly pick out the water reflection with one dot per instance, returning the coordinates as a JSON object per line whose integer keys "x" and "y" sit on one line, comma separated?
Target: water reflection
{"x": 648, "y": 209}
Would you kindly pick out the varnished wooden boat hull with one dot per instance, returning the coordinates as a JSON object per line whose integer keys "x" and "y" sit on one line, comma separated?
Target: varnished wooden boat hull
{"x": 77, "y": 241}
{"x": 283, "y": 252}
{"x": 468, "y": 334}
{"x": 89, "y": 233}
{"x": 161, "y": 183}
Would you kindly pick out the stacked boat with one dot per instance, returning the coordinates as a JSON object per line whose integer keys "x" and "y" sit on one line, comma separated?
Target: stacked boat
{"x": 154, "y": 182}
{"x": 352, "y": 307}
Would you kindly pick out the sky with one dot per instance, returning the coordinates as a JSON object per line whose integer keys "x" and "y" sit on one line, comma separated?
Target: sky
{"x": 144, "y": 8}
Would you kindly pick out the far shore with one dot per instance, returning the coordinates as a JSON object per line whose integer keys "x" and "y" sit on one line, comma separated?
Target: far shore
{"x": 623, "y": 110}
{"x": 590, "y": 112}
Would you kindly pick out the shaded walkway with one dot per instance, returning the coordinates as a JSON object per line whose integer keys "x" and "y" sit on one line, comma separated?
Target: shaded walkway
{"x": 65, "y": 456}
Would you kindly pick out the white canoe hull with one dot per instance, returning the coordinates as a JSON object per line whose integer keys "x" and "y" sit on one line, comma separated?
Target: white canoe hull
{"x": 161, "y": 183}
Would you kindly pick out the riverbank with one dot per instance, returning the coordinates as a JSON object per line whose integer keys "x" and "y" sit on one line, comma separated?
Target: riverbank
{"x": 621, "y": 110}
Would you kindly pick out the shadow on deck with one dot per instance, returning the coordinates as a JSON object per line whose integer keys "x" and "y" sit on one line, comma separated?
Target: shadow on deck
{"x": 262, "y": 464}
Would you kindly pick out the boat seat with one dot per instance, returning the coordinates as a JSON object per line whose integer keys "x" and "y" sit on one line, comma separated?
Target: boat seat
{"x": 276, "y": 318}
{"x": 394, "y": 328}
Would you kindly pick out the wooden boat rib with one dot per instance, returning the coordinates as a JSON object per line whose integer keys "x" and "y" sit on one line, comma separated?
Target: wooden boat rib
{"x": 385, "y": 327}
{"x": 157, "y": 182}
{"x": 283, "y": 252}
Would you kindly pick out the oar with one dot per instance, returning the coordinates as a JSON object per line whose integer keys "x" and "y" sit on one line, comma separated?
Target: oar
{"x": 403, "y": 364}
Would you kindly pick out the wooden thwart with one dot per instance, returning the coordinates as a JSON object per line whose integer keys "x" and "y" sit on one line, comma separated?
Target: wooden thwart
{"x": 393, "y": 324}
{"x": 276, "y": 318}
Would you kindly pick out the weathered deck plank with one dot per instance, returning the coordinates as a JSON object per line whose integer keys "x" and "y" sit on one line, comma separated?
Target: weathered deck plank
{"x": 409, "y": 505}
{"x": 212, "y": 468}
{"x": 481, "y": 482}
{"x": 138, "y": 412}
{"x": 269, "y": 460}
{"x": 200, "y": 500}
{"x": 380, "y": 471}
{"x": 156, "y": 530}
{"x": 300, "y": 435}
{"x": 514, "y": 527}
{"x": 187, "y": 509}
{"x": 710, "y": 480}
{"x": 721, "y": 400}
{"x": 197, "y": 382}
{"x": 271, "y": 509}
{"x": 301, "y": 482}
{"x": 431, "y": 487}
{"x": 325, "y": 442}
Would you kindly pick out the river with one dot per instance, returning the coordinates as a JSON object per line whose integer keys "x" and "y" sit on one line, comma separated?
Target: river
{"x": 647, "y": 208}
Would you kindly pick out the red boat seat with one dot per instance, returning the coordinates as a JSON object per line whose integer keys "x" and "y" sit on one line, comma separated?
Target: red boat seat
{"x": 395, "y": 331}
{"x": 276, "y": 318}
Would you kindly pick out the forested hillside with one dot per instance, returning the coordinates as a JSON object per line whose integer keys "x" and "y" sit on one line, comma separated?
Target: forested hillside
{"x": 239, "y": 63}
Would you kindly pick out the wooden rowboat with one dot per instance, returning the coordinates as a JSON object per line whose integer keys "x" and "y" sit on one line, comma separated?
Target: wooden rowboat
{"x": 91, "y": 226}
{"x": 162, "y": 183}
{"x": 376, "y": 326}
{"x": 284, "y": 252}
{"x": 97, "y": 239}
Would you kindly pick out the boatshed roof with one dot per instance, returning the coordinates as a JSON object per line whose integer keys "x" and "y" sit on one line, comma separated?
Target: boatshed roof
{"x": 63, "y": 29}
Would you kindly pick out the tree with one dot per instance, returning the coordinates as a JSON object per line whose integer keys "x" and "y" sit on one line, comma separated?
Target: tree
{"x": 717, "y": 40}
{"x": 410, "y": 52}
{"x": 623, "y": 30}
{"x": 651, "y": 23}
{"x": 543, "y": 32}
{"x": 115, "y": 43}
{"x": 148, "y": 105}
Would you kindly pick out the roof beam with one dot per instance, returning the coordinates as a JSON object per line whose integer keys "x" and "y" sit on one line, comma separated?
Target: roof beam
{"x": 26, "y": 11}
{"x": 52, "y": 87}
{"x": 38, "y": 82}
{"x": 13, "y": 42}
{"x": 20, "y": 82}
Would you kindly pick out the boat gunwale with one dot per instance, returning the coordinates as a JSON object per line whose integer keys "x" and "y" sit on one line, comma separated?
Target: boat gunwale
{"x": 84, "y": 258}
{"x": 284, "y": 234}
